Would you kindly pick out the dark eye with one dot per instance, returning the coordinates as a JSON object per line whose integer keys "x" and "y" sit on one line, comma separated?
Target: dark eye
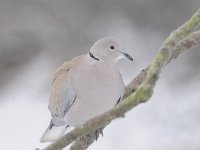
{"x": 112, "y": 47}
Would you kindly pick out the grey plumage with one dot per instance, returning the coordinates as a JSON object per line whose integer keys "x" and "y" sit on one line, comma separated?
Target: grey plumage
{"x": 84, "y": 87}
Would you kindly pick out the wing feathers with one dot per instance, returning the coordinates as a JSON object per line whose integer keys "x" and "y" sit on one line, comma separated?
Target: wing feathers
{"x": 62, "y": 93}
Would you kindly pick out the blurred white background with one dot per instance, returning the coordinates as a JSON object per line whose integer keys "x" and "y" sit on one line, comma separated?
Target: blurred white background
{"x": 36, "y": 36}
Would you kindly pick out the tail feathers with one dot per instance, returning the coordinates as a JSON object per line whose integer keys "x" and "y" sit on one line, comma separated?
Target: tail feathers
{"x": 53, "y": 132}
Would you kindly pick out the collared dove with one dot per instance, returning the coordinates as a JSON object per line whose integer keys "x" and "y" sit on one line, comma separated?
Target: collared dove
{"x": 85, "y": 87}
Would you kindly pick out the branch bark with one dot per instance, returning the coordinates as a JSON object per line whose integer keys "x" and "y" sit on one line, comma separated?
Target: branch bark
{"x": 140, "y": 88}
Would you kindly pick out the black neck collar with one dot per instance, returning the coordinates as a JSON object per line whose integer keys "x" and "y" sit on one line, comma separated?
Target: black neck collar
{"x": 92, "y": 56}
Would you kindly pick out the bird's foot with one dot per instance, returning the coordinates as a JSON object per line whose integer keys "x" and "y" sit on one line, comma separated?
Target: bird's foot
{"x": 97, "y": 132}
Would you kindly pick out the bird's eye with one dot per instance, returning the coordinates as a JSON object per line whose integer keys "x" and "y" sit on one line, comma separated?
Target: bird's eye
{"x": 112, "y": 47}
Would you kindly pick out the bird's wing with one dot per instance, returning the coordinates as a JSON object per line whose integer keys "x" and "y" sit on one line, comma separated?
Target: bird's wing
{"x": 62, "y": 93}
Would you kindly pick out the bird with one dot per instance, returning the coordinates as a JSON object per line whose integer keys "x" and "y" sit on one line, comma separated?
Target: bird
{"x": 86, "y": 86}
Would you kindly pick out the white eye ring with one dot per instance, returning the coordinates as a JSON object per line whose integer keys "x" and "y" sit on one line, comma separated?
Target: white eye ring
{"x": 112, "y": 47}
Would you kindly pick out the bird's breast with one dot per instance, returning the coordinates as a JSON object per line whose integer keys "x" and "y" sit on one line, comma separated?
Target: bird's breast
{"x": 98, "y": 88}
{"x": 96, "y": 80}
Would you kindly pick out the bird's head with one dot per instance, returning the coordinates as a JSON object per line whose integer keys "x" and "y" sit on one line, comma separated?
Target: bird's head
{"x": 108, "y": 49}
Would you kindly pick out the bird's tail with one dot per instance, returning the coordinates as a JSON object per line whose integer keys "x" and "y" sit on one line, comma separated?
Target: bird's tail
{"x": 53, "y": 132}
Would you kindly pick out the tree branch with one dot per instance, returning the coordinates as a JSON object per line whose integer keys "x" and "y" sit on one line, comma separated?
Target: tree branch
{"x": 191, "y": 41}
{"x": 139, "y": 90}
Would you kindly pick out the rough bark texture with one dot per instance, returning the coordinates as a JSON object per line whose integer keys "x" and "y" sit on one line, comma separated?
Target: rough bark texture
{"x": 139, "y": 90}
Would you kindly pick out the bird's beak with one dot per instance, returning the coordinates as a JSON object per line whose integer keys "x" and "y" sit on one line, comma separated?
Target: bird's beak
{"x": 126, "y": 55}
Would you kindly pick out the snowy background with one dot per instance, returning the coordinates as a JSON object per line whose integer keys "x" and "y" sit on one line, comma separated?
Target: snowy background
{"x": 36, "y": 36}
